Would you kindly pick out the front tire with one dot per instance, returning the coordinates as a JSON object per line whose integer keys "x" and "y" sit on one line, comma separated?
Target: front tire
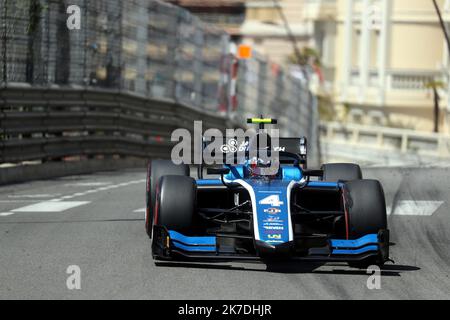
{"x": 155, "y": 171}
{"x": 366, "y": 209}
{"x": 176, "y": 203}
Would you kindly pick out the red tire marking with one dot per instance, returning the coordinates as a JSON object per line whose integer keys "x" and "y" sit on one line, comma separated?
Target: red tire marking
{"x": 147, "y": 209}
{"x": 345, "y": 215}
{"x": 155, "y": 214}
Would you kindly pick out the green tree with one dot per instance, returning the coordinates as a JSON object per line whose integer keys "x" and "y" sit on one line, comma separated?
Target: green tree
{"x": 307, "y": 56}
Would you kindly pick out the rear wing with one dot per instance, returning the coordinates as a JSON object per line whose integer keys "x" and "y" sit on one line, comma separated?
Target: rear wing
{"x": 233, "y": 148}
{"x": 297, "y": 146}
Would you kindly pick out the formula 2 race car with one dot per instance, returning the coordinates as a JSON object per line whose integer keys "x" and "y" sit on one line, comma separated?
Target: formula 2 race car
{"x": 267, "y": 212}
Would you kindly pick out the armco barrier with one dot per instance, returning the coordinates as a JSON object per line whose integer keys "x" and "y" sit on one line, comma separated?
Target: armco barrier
{"x": 52, "y": 123}
{"x": 50, "y": 170}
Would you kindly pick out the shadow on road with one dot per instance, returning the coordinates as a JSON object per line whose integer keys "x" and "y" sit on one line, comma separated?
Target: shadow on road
{"x": 294, "y": 268}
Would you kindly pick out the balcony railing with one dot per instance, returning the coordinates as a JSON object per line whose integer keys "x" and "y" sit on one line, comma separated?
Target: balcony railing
{"x": 414, "y": 80}
{"x": 384, "y": 139}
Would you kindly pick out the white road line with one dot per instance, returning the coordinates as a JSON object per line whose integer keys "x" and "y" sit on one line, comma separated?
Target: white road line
{"x": 51, "y": 206}
{"x": 58, "y": 204}
{"x": 34, "y": 195}
{"x": 105, "y": 188}
{"x": 5, "y": 214}
{"x": 101, "y": 189}
{"x": 19, "y": 201}
{"x": 415, "y": 208}
{"x": 140, "y": 210}
{"x": 88, "y": 184}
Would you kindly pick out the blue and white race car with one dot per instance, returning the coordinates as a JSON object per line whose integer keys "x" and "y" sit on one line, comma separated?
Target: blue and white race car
{"x": 267, "y": 210}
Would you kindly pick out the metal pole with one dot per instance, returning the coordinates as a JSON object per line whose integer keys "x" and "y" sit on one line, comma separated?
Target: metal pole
{"x": 5, "y": 13}
{"x": 84, "y": 81}
{"x": 436, "y": 99}
{"x": 444, "y": 28}
{"x": 47, "y": 54}
{"x": 447, "y": 40}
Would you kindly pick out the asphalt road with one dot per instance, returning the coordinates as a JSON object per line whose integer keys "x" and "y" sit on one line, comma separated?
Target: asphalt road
{"x": 97, "y": 224}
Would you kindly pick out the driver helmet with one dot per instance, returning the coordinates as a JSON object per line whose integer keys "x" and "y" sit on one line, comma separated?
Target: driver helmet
{"x": 260, "y": 161}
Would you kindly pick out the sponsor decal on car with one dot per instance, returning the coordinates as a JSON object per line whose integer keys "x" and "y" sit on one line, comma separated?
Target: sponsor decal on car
{"x": 274, "y": 228}
{"x": 274, "y": 236}
{"x": 272, "y": 211}
{"x": 273, "y": 200}
{"x": 233, "y": 146}
{"x": 270, "y": 232}
{"x": 273, "y": 224}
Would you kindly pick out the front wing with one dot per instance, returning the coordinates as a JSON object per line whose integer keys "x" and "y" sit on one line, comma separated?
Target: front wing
{"x": 169, "y": 245}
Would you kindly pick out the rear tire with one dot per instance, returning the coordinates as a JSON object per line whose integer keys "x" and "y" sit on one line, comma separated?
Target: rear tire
{"x": 157, "y": 169}
{"x": 366, "y": 209}
{"x": 334, "y": 172}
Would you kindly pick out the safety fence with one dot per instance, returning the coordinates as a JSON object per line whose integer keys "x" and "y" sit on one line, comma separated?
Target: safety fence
{"x": 133, "y": 72}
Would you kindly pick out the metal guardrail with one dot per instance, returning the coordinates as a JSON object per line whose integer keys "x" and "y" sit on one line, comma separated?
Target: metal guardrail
{"x": 399, "y": 141}
{"x": 52, "y": 123}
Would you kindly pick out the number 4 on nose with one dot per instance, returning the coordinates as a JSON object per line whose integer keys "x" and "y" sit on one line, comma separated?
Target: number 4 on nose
{"x": 273, "y": 201}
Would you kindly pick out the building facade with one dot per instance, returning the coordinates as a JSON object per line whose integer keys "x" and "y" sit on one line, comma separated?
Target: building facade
{"x": 379, "y": 59}
{"x": 387, "y": 57}
{"x": 266, "y": 30}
